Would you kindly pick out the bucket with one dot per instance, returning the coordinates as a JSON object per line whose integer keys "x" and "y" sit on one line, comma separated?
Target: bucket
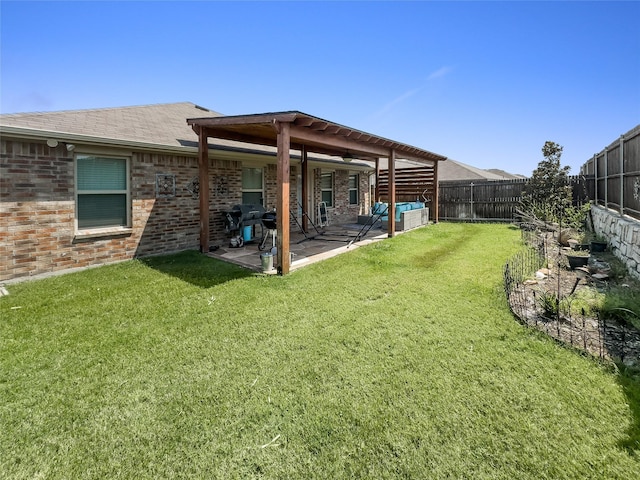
{"x": 246, "y": 233}
{"x": 267, "y": 262}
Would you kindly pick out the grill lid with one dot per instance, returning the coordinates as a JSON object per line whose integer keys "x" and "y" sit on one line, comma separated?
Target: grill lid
{"x": 247, "y": 211}
{"x": 269, "y": 220}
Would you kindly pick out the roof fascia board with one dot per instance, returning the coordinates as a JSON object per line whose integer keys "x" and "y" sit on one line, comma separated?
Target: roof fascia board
{"x": 259, "y": 118}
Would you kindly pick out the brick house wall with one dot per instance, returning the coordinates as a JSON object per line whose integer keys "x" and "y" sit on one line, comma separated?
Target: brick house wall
{"x": 271, "y": 190}
{"x": 37, "y": 210}
{"x": 37, "y": 207}
{"x": 342, "y": 211}
{"x": 37, "y": 214}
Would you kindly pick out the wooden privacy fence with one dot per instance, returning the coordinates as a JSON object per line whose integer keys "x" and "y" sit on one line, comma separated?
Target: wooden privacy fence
{"x": 484, "y": 200}
{"x": 493, "y": 200}
{"x": 616, "y": 171}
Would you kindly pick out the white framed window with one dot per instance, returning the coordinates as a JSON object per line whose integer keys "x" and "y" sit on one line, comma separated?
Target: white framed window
{"x": 252, "y": 186}
{"x": 103, "y": 197}
{"x": 353, "y": 189}
{"x": 326, "y": 188}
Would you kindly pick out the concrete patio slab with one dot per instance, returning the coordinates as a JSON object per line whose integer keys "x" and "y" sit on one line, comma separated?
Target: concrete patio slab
{"x": 313, "y": 247}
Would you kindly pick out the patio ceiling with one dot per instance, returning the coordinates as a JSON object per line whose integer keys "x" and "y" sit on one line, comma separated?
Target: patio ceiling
{"x": 299, "y": 131}
{"x": 313, "y": 133}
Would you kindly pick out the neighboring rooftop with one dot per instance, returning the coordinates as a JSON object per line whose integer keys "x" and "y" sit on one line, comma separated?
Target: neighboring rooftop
{"x": 454, "y": 170}
{"x": 506, "y": 175}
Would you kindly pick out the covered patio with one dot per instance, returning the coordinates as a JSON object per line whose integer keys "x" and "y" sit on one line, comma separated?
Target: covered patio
{"x": 295, "y": 130}
{"x": 304, "y": 248}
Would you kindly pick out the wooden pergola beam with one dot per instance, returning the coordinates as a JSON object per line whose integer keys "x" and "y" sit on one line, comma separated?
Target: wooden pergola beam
{"x": 337, "y": 143}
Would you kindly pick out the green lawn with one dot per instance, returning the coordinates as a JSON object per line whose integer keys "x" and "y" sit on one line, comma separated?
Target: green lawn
{"x": 396, "y": 360}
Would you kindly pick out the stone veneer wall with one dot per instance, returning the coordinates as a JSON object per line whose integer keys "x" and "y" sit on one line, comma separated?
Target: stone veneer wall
{"x": 623, "y": 235}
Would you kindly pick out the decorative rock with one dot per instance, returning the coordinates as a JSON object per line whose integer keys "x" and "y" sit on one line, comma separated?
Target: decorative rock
{"x": 600, "y": 276}
{"x": 598, "y": 265}
{"x": 583, "y": 270}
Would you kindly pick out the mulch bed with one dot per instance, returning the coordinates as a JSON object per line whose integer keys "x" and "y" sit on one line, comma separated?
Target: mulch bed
{"x": 603, "y": 338}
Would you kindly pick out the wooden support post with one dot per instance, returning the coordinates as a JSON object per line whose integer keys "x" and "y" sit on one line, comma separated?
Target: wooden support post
{"x": 436, "y": 194}
{"x": 282, "y": 201}
{"x": 377, "y": 192}
{"x": 304, "y": 164}
{"x": 391, "y": 213}
{"x": 203, "y": 180}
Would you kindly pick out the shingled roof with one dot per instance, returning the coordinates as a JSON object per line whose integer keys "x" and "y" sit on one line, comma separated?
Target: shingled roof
{"x": 159, "y": 125}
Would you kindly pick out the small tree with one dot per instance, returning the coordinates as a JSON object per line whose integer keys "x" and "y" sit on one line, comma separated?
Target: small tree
{"x": 548, "y": 194}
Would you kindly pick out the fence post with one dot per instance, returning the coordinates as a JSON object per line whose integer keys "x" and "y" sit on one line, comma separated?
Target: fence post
{"x": 606, "y": 177}
{"x": 473, "y": 214}
{"x": 621, "y": 153}
{"x": 595, "y": 177}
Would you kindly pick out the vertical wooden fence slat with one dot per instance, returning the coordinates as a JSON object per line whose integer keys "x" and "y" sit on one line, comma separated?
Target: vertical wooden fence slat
{"x": 616, "y": 170}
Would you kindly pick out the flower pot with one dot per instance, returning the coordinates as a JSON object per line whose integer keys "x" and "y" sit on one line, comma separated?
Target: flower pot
{"x": 576, "y": 261}
{"x": 581, "y": 246}
{"x": 597, "y": 246}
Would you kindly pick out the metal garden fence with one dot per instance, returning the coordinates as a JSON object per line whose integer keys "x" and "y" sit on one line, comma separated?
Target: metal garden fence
{"x": 591, "y": 333}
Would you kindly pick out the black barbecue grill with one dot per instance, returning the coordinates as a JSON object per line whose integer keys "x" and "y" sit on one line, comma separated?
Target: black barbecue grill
{"x": 269, "y": 222}
{"x": 243, "y": 215}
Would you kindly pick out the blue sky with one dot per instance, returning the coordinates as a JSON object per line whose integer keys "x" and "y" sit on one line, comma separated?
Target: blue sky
{"x": 484, "y": 83}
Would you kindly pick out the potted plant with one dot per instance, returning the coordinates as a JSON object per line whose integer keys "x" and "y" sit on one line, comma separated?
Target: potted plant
{"x": 581, "y": 246}
{"x": 577, "y": 258}
{"x": 598, "y": 244}
{"x": 579, "y": 242}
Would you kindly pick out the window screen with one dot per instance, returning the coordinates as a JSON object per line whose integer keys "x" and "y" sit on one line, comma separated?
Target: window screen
{"x": 353, "y": 189}
{"x": 252, "y": 186}
{"x": 326, "y": 188}
{"x": 102, "y": 192}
